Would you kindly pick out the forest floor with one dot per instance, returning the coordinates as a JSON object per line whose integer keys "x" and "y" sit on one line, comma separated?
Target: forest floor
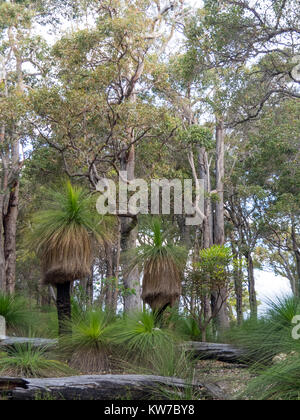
{"x": 231, "y": 378}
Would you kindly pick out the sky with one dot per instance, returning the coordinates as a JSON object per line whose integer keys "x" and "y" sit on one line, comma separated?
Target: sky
{"x": 269, "y": 286}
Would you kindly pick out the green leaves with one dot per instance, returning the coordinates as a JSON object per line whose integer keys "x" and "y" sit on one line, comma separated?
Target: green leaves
{"x": 198, "y": 136}
{"x": 213, "y": 271}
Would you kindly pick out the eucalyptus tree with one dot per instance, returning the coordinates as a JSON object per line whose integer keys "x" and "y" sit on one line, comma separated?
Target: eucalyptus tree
{"x": 19, "y": 47}
{"x": 261, "y": 32}
{"x": 262, "y": 190}
{"x": 273, "y": 156}
{"x": 220, "y": 47}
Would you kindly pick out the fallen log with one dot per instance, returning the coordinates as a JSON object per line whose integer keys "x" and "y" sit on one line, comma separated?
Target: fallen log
{"x": 222, "y": 352}
{"x": 34, "y": 342}
{"x": 216, "y": 351}
{"x": 103, "y": 387}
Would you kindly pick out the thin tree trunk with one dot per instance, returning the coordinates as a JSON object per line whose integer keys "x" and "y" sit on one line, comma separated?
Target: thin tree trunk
{"x": 2, "y": 256}
{"x": 10, "y": 209}
{"x": 63, "y": 303}
{"x": 297, "y": 282}
{"x": 10, "y": 232}
{"x": 90, "y": 289}
{"x": 219, "y": 229}
{"x": 238, "y": 283}
{"x": 297, "y": 257}
{"x": 116, "y": 270}
{"x": 207, "y": 227}
{"x": 109, "y": 277}
{"x": 251, "y": 286}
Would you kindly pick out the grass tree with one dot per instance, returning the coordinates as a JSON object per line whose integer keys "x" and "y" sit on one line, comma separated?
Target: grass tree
{"x": 62, "y": 234}
{"x": 163, "y": 261}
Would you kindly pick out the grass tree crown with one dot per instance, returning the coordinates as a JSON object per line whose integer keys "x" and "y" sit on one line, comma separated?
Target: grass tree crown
{"x": 62, "y": 234}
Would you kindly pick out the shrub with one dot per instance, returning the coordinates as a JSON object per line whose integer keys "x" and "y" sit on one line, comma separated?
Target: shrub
{"x": 272, "y": 334}
{"x": 278, "y": 382}
{"x": 138, "y": 335}
{"x": 277, "y": 378}
{"x": 172, "y": 360}
{"x": 31, "y": 362}
{"x": 89, "y": 344}
{"x": 14, "y": 310}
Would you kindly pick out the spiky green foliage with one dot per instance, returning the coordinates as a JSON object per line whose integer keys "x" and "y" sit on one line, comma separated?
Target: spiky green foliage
{"x": 62, "y": 234}
{"x": 162, "y": 260}
{"x": 28, "y": 361}
{"x": 160, "y": 243}
{"x": 270, "y": 335}
{"x": 172, "y": 360}
{"x": 89, "y": 345}
{"x": 274, "y": 353}
{"x": 14, "y": 310}
{"x": 278, "y": 382}
{"x": 184, "y": 326}
{"x": 138, "y": 335}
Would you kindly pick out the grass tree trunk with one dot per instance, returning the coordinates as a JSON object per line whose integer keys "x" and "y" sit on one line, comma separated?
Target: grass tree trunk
{"x": 63, "y": 303}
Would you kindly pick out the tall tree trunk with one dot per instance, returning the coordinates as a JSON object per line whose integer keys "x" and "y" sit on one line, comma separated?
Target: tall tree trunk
{"x": 10, "y": 232}
{"x": 117, "y": 256}
{"x": 251, "y": 286}
{"x": 204, "y": 173}
{"x": 238, "y": 282}
{"x": 207, "y": 227}
{"x": 297, "y": 282}
{"x": 11, "y": 165}
{"x": 296, "y": 251}
{"x": 2, "y": 256}
{"x": 129, "y": 232}
{"x": 63, "y": 303}
{"x": 220, "y": 299}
